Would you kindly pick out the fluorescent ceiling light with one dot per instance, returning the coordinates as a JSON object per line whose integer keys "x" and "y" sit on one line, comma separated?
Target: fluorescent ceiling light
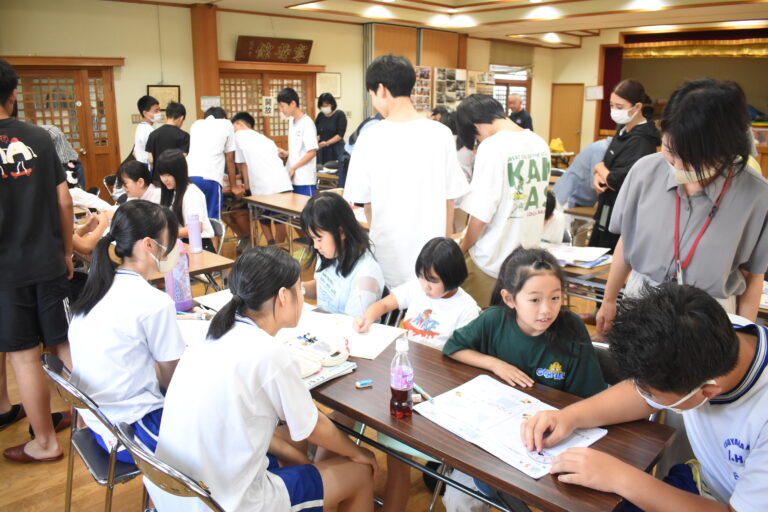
{"x": 647, "y": 5}
{"x": 544, "y": 12}
{"x": 308, "y": 6}
{"x": 551, "y": 37}
{"x": 378, "y": 11}
{"x": 453, "y": 21}
{"x": 745, "y": 23}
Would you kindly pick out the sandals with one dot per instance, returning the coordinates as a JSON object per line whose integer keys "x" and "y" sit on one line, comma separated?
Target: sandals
{"x": 9, "y": 418}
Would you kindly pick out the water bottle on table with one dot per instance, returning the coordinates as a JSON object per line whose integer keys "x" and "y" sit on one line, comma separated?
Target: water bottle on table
{"x": 177, "y": 281}
{"x": 195, "y": 234}
{"x": 401, "y": 381}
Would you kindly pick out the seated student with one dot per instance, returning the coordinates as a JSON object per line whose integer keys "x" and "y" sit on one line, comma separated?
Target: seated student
{"x": 123, "y": 327}
{"x": 182, "y": 196}
{"x": 679, "y": 351}
{"x": 81, "y": 198}
{"x": 554, "y": 221}
{"x": 527, "y": 336}
{"x": 87, "y": 235}
{"x": 170, "y": 135}
{"x": 574, "y": 188}
{"x": 348, "y": 278}
{"x": 149, "y": 109}
{"x": 302, "y": 143}
{"x": 229, "y": 393}
{"x": 137, "y": 182}
{"x": 259, "y": 163}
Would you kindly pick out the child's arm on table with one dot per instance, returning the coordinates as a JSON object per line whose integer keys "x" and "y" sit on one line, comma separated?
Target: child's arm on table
{"x": 505, "y": 371}
{"x": 374, "y": 312}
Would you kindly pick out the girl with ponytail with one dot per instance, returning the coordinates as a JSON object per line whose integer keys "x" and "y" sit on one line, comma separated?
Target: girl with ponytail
{"x": 229, "y": 393}
{"x": 123, "y": 326}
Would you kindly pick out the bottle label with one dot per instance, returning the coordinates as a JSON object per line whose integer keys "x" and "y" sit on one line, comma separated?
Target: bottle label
{"x": 401, "y": 378}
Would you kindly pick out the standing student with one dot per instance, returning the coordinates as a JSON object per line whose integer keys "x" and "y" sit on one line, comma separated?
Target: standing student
{"x": 527, "y": 336}
{"x": 636, "y": 136}
{"x": 404, "y": 170}
{"x": 302, "y": 144}
{"x": 35, "y": 265}
{"x": 182, "y": 196}
{"x": 149, "y": 109}
{"x": 137, "y": 182}
{"x": 228, "y": 395}
{"x": 681, "y": 352}
{"x": 348, "y": 278}
{"x": 574, "y": 188}
{"x": 123, "y": 327}
{"x": 517, "y": 113}
{"x": 170, "y": 135}
{"x": 507, "y": 197}
{"x": 259, "y": 163}
{"x": 331, "y": 126}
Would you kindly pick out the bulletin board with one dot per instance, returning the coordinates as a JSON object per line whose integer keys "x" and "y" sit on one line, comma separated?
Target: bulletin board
{"x": 450, "y": 87}
{"x": 422, "y": 90}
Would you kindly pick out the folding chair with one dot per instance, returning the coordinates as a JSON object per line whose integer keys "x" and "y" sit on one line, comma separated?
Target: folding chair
{"x": 109, "y": 182}
{"x": 161, "y": 474}
{"x": 103, "y": 467}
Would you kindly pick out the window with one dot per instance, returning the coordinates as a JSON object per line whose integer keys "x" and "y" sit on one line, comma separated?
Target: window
{"x": 512, "y": 81}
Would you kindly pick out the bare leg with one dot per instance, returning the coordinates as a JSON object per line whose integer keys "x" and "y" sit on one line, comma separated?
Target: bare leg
{"x": 62, "y": 352}
{"x": 238, "y": 221}
{"x": 5, "y": 401}
{"x": 346, "y": 484}
{"x": 266, "y": 230}
{"x": 398, "y": 485}
{"x": 36, "y": 398}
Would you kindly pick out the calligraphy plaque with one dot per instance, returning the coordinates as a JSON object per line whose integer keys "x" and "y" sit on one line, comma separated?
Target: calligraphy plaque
{"x": 273, "y": 49}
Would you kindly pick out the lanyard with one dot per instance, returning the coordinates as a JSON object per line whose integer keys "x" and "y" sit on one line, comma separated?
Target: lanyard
{"x": 680, "y": 267}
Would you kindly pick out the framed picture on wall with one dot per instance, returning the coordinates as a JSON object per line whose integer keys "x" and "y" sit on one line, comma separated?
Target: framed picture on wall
{"x": 164, "y": 94}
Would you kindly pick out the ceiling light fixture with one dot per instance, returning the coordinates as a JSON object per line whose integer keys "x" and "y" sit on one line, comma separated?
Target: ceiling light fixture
{"x": 378, "y": 11}
{"x": 551, "y": 37}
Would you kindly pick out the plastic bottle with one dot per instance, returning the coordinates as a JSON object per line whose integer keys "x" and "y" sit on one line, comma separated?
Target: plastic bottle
{"x": 177, "y": 281}
{"x": 195, "y": 234}
{"x": 401, "y": 381}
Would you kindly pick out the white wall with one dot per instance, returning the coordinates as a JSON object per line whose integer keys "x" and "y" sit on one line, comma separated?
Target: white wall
{"x": 541, "y": 90}
{"x": 339, "y": 47}
{"x": 108, "y": 29}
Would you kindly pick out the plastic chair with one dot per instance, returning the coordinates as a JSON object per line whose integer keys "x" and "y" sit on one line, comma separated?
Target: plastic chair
{"x": 161, "y": 474}
{"x": 103, "y": 467}
{"x": 109, "y": 182}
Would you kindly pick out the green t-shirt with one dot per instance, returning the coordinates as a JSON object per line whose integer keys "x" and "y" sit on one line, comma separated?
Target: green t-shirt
{"x": 496, "y": 333}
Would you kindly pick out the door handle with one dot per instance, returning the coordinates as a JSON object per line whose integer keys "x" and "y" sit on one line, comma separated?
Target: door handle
{"x": 83, "y": 151}
{"x": 578, "y": 132}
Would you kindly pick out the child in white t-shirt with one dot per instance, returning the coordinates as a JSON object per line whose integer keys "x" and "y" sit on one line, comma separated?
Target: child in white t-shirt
{"x": 348, "y": 278}
{"x": 229, "y": 393}
{"x": 123, "y": 327}
{"x": 302, "y": 143}
{"x": 149, "y": 108}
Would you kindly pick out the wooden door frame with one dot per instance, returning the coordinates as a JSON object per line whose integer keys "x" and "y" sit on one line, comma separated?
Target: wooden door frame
{"x": 552, "y": 110}
{"x": 528, "y": 84}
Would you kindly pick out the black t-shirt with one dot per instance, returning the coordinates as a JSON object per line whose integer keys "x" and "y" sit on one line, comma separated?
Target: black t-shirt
{"x": 31, "y": 247}
{"x": 167, "y": 137}
{"x": 522, "y": 119}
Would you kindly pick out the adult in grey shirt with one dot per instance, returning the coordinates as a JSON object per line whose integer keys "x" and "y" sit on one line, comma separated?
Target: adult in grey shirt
{"x": 574, "y": 188}
{"x": 703, "y": 161}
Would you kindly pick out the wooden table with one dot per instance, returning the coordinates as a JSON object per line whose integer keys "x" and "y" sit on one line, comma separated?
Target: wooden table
{"x": 639, "y": 443}
{"x": 327, "y": 180}
{"x": 202, "y": 263}
{"x": 562, "y": 158}
{"x": 582, "y": 212}
{"x": 587, "y": 283}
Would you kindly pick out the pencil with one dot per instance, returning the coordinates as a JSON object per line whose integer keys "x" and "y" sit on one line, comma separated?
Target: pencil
{"x": 423, "y": 393}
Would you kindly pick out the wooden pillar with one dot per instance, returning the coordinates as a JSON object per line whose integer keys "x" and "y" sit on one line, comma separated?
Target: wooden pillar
{"x": 461, "y": 61}
{"x": 205, "y": 52}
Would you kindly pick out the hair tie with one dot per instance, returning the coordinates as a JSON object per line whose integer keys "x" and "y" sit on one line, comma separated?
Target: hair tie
{"x": 238, "y": 300}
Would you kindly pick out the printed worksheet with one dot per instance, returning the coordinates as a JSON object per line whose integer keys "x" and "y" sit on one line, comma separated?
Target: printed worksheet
{"x": 489, "y": 414}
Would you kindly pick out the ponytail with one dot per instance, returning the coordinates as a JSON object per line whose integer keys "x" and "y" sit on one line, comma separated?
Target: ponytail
{"x": 256, "y": 278}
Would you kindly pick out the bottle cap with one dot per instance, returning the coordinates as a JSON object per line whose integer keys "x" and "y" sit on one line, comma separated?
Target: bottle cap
{"x": 401, "y": 344}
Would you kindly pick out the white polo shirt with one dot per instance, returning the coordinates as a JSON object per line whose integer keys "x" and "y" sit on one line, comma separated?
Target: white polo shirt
{"x": 266, "y": 171}
{"x": 209, "y": 139}
{"x": 221, "y": 410}
{"x": 729, "y": 434}
{"x": 143, "y": 129}
{"x": 194, "y": 204}
{"x": 302, "y": 138}
{"x": 115, "y": 347}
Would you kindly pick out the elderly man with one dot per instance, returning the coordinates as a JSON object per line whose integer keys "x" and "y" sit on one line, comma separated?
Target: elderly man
{"x": 517, "y": 113}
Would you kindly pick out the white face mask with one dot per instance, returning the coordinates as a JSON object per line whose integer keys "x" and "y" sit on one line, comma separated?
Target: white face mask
{"x": 682, "y": 177}
{"x": 620, "y": 116}
{"x": 673, "y": 407}
{"x": 325, "y": 110}
{"x": 166, "y": 265}
{"x": 156, "y": 118}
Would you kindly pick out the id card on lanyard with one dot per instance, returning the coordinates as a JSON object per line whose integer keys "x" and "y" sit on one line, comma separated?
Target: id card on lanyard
{"x": 681, "y": 266}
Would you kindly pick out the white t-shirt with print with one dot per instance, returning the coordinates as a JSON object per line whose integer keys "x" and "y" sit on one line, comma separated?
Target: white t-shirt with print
{"x": 221, "y": 410}
{"x": 194, "y": 204}
{"x": 302, "y": 138}
{"x": 407, "y": 171}
{"x": 266, "y": 171}
{"x": 209, "y": 140}
{"x": 508, "y": 193}
{"x": 143, "y": 129}
{"x": 353, "y": 294}
{"x": 729, "y": 434}
{"x": 115, "y": 346}
{"x": 432, "y": 321}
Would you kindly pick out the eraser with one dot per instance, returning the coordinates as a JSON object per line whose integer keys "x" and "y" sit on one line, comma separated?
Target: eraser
{"x": 365, "y": 383}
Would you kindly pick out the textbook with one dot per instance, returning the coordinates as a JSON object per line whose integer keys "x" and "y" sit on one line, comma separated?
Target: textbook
{"x": 497, "y": 412}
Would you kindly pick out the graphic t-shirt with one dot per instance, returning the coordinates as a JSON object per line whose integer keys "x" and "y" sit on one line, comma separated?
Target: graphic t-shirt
{"x": 508, "y": 193}
{"x": 432, "y": 321}
{"x": 31, "y": 246}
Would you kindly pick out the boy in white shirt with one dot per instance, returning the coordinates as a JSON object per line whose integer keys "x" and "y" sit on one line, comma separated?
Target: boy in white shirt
{"x": 507, "y": 196}
{"x": 302, "y": 144}
{"x": 404, "y": 170}
{"x": 149, "y": 108}
{"x": 258, "y": 160}
{"x": 679, "y": 351}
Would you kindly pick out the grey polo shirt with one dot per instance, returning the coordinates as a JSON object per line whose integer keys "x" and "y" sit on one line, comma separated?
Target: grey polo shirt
{"x": 737, "y": 237}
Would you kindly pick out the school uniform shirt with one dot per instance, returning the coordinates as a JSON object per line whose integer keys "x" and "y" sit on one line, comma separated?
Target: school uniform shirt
{"x": 508, "y": 193}
{"x": 353, "y": 294}
{"x": 407, "y": 171}
{"x": 266, "y": 171}
{"x": 152, "y": 194}
{"x": 209, "y": 140}
{"x": 729, "y": 434}
{"x": 167, "y": 136}
{"x": 194, "y": 204}
{"x": 143, "y": 129}
{"x": 432, "y": 321}
{"x": 302, "y": 138}
{"x": 496, "y": 333}
{"x": 83, "y": 199}
{"x": 31, "y": 245}
{"x": 221, "y": 410}
{"x": 115, "y": 346}
{"x": 736, "y": 239}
